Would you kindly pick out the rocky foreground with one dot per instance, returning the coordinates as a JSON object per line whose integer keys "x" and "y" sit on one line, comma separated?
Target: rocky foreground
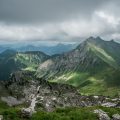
{"x": 42, "y": 95}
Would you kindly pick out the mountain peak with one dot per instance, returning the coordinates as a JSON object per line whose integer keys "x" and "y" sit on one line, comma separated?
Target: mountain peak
{"x": 96, "y": 41}
{"x": 91, "y": 39}
{"x": 112, "y": 40}
{"x": 98, "y": 38}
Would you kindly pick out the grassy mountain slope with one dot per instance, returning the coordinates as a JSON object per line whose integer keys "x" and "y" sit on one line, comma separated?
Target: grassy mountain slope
{"x": 12, "y": 61}
{"x": 93, "y": 67}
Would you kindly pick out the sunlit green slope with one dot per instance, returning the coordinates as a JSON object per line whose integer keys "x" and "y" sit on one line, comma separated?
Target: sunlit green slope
{"x": 93, "y": 67}
{"x": 11, "y": 61}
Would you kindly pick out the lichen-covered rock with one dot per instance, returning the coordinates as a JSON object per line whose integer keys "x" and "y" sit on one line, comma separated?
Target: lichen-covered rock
{"x": 116, "y": 117}
{"x": 109, "y": 104}
{"x": 1, "y": 117}
{"x": 27, "y": 112}
{"x": 102, "y": 115}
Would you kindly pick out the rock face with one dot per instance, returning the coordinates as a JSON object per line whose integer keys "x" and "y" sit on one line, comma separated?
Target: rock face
{"x": 21, "y": 84}
{"x": 102, "y": 115}
{"x": 116, "y": 117}
{"x": 31, "y": 109}
{"x": 49, "y": 96}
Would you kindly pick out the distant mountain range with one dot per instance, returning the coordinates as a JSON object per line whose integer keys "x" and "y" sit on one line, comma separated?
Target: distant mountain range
{"x": 49, "y": 50}
{"x": 93, "y": 67}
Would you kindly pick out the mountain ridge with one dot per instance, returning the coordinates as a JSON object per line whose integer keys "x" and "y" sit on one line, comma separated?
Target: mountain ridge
{"x": 86, "y": 49}
{"x": 49, "y": 50}
{"x": 94, "y": 57}
{"x": 12, "y": 61}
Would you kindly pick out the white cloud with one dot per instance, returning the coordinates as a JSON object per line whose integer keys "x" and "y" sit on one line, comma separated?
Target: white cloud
{"x": 108, "y": 18}
{"x": 99, "y": 24}
{"x": 25, "y": 32}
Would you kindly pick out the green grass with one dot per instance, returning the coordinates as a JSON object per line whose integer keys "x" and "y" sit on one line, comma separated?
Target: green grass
{"x": 30, "y": 61}
{"x": 72, "y": 78}
{"x": 110, "y": 111}
{"x": 68, "y": 113}
{"x": 103, "y": 55}
{"x": 11, "y": 113}
{"x": 29, "y": 69}
{"x": 105, "y": 82}
{"x": 71, "y": 113}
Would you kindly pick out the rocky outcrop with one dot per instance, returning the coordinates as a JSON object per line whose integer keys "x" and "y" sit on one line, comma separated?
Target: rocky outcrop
{"x": 21, "y": 84}
{"x": 49, "y": 96}
{"x": 116, "y": 117}
{"x": 26, "y": 112}
{"x": 109, "y": 104}
{"x": 41, "y": 94}
{"x": 102, "y": 115}
{"x": 1, "y": 117}
{"x": 31, "y": 109}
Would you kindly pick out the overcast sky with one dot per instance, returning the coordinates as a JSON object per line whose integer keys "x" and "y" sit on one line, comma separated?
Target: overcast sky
{"x": 58, "y": 20}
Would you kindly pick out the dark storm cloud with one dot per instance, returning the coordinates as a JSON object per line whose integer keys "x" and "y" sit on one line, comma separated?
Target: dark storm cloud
{"x": 46, "y": 10}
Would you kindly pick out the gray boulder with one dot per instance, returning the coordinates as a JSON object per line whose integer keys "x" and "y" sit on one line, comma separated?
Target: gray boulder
{"x": 116, "y": 117}
{"x": 109, "y": 104}
{"x": 27, "y": 112}
{"x": 102, "y": 115}
{"x": 1, "y": 117}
